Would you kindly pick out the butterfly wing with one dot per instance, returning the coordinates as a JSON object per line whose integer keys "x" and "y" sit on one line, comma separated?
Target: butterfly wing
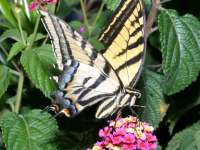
{"x": 86, "y": 75}
{"x": 124, "y": 38}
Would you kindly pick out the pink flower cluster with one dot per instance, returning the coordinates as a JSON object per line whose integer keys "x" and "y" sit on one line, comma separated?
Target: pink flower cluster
{"x": 126, "y": 134}
{"x": 36, "y": 3}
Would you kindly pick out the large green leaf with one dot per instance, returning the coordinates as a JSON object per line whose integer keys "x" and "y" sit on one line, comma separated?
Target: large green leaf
{"x": 38, "y": 37}
{"x": 188, "y": 139}
{"x": 36, "y": 62}
{"x": 152, "y": 98}
{"x": 180, "y": 44}
{"x": 4, "y": 79}
{"x": 31, "y": 131}
{"x": 6, "y": 10}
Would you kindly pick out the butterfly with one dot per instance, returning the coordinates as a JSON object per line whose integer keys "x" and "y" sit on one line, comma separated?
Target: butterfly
{"x": 108, "y": 77}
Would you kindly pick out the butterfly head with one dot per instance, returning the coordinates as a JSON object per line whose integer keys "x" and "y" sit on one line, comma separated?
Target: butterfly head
{"x": 62, "y": 105}
{"x": 56, "y": 109}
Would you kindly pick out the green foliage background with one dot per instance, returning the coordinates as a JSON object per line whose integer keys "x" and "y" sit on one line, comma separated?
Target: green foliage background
{"x": 169, "y": 83}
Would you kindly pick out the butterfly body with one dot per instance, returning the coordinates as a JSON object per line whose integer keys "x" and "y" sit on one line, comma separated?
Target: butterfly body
{"x": 107, "y": 78}
{"x": 111, "y": 103}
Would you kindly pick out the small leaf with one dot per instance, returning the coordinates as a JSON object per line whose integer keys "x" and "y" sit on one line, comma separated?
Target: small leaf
{"x": 5, "y": 79}
{"x": 15, "y": 49}
{"x": 189, "y": 138}
{"x": 38, "y": 37}
{"x": 180, "y": 42}
{"x": 76, "y": 25}
{"x": 31, "y": 131}
{"x": 4, "y": 24}
{"x": 97, "y": 45}
{"x": 36, "y": 62}
{"x": 6, "y": 10}
{"x": 112, "y": 4}
{"x": 13, "y": 34}
{"x": 152, "y": 98}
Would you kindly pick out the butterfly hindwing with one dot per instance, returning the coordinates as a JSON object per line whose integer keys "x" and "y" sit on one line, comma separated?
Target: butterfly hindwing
{"x": 124, "y": 38}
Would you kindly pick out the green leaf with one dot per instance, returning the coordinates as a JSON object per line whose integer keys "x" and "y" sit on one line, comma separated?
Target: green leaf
{"x": 72, "y": 140}
{"x": 31, "y": 131}
{"x": 76, "y": 25}
{"x": 152, "y": 98}
{"x": 6, "y": 10}
{"x": 112, "y": 4}
{"x": 15, "y": 49}
{"x": 36, "y": 62}
{"x": 5, "y": 79}
{"x": 13, "y": 34}
{"x": 189, "y": 138}
{"x": 4, "y": 24}
{"x": 98, "y": 45}
{"x": 38, "y": 37}
{"x": 180, "y": 42}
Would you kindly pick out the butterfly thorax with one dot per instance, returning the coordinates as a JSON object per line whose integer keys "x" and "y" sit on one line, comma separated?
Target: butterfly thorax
{"x": 128, "y": 97}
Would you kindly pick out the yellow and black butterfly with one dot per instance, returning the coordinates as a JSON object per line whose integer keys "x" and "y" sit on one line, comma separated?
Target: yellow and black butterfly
{"x": 108, "y": 77}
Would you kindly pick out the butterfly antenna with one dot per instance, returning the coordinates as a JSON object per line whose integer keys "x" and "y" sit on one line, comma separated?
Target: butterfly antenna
{"x": 56, "y": 115}
{"x": 46, "y": 109}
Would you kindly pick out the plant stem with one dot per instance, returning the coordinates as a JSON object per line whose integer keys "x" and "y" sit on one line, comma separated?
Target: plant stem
{"x": 14, "y": 72}
{"x": 152, "y": 16}
{"x": 85, "y": 19}
{"x": 20, "y": 29}
{"x": 19, "y": 92}
{"x": 98, "y": 14}
{"x": 13, "y": 62}
{"x": 35, "y": 31}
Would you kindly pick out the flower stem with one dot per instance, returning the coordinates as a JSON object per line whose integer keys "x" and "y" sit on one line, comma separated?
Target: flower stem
{"x": 14, "y": 72}
{"x": 35, "y": 30}
{"x": 6, "y": 53}
{"x": 98, "y": 14}
{"x": 85, "y": 19}
{"x": 19, "y": 92}
{"x": 20, "y": 29}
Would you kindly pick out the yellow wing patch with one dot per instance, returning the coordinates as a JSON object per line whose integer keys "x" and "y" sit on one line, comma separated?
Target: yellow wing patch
{"x": 125, "y": 41}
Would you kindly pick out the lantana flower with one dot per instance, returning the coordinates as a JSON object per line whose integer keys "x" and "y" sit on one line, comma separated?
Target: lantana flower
{"x": 126, "y": 134}
{"x": 36, "y": 3}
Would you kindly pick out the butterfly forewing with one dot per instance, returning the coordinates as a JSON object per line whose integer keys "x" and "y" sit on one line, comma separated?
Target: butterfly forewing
{"x": 125, "y": 41}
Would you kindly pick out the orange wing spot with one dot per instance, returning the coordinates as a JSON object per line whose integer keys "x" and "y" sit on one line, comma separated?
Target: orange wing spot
{"x": 66, "y": 112}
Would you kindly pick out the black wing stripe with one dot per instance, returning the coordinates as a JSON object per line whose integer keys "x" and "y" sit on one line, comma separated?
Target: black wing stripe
{"x": 67, "y": 52}
{"x": 116, "y": 27}
{"x": 133, "y": 45}
{"x": 95, "y": 99}
{"x": 138, "y": 29}
{"x": 130, "y": 62}
{"x": 62, "y": 41}
{"x": 99, "y": 80}
{"x": 107, "y": 106}
{"x": 136, "y": 44}
{"x": 51, "y": 29}
{"x": 70, "y": 44}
